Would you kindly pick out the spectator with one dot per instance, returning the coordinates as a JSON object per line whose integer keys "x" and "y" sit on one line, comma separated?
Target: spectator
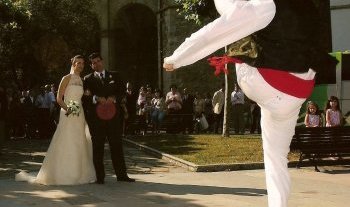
{"x": 237, "y": 100}
{"x": 15, "y": 115}
{"x": 218, "y": 102}
{"x": 199, "y": 107}
{"x": 187, "y": 109}
{"x": 256, "y": 116}
{"x": 29, "y": 115}
{"x": 142, "y": 96}
{"x": 159, "y": 110}
{"x": 43, "y": 104}
{"x": 131, "y": 101}
{"x": 173, "y": 100}
{"x": 50, "y": 95}
{"x": 208, "y": 111}
{"x": 334, "y": 116}
{"x": 149, "y": 92}
{"x": 313, "y": 116}
{"x": 141, "y": 109}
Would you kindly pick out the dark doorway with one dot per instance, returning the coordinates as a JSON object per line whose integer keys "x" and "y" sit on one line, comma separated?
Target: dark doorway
{"x": 136, "y": 45}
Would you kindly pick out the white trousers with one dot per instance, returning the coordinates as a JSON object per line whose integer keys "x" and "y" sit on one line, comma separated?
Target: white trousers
{"x": 279, "y": 114}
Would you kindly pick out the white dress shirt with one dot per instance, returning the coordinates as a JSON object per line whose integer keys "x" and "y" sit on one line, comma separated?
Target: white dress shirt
{"x": 237, "y": 97}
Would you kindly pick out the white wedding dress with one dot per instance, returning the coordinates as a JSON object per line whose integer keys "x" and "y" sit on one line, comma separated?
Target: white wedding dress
{"x": 68, "y": 160}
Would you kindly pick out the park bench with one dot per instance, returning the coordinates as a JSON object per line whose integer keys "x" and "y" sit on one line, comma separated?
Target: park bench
{"x": 174, "y": 123}
{"x": 315, "y": 143}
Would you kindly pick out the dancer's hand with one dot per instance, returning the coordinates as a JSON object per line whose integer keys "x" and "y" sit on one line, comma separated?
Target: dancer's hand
{"x": 168, "y": 67}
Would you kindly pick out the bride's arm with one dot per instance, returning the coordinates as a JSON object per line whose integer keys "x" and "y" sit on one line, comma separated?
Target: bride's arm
{"x": 61, "y": 90}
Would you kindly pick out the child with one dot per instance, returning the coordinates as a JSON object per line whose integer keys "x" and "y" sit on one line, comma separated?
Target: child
{"x": 333, "y": 113}
{"x": 313, "y": 116}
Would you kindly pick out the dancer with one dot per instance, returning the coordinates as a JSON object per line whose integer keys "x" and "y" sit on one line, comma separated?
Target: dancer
{"x": 275, "y": 65}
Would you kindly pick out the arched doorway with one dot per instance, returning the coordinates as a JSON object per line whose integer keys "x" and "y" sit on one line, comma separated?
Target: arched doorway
{"x": 136, "y": 46}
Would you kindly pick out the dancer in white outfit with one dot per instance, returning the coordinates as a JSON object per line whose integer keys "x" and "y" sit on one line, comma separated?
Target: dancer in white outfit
{"x": 276, "y": 77}
{"x": 68, "y": 160}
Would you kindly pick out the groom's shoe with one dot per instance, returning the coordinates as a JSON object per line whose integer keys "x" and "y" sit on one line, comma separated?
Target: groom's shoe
{"x": 100, "y": 182}
{"x": 125, "y": 179}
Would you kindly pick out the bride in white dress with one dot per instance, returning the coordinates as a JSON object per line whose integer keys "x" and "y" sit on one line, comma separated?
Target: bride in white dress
{"x": 68, "y": 160}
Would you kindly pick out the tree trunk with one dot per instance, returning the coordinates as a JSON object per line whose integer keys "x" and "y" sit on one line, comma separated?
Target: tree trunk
{"x": 225, "y": 129}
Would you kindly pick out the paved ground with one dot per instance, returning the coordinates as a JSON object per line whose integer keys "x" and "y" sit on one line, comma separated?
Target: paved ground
{"x": 162, "y": 184}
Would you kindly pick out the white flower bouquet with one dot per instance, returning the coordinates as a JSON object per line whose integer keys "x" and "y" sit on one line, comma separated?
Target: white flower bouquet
{"x": 73, "y": 107}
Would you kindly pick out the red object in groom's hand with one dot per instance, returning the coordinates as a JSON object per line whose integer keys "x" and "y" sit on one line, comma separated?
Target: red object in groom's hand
{"x": 106, "y": 111}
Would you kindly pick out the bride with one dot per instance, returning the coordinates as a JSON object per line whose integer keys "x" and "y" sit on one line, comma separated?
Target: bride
{"x": 68, "y": 160}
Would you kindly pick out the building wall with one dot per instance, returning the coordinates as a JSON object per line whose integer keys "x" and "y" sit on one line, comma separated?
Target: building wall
{"x": 172, "y": 30}
{"x": 340, "y": 15}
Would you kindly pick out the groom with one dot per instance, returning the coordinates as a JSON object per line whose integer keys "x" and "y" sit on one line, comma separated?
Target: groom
{"x": 104, "y": 91}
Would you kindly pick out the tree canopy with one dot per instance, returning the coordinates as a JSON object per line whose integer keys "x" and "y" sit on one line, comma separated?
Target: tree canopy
{"x": 37, "y": 38}
{"x": 198, "y": 11}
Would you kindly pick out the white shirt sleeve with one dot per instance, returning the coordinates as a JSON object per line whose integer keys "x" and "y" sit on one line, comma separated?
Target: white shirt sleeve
{"x": 242, "y": 19}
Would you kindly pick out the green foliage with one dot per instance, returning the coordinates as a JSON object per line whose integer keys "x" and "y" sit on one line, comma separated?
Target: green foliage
{"x": 38, "y": 37}
{"x": 196, "y": 10}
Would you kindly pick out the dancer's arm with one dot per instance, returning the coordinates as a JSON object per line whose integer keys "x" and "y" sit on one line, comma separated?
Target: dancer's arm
{"x": 242, "y": 19}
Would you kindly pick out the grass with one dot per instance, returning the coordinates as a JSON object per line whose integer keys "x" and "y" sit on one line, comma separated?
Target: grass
{"x": 208, "y": 149}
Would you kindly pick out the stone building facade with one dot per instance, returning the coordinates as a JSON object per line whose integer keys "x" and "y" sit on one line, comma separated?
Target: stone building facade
{"x": 137, "y": 34}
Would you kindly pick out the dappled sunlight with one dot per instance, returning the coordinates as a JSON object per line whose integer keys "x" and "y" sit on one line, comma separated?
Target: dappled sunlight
{"x": 52, "y": 194}
{"x": 32, "y": 163}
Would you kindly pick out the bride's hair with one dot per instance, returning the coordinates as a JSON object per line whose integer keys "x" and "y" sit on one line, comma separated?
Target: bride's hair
{"x": 73, "y": 60}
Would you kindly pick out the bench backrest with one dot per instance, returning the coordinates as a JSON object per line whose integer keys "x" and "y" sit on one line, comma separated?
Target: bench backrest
{"x": 321, "y": 139}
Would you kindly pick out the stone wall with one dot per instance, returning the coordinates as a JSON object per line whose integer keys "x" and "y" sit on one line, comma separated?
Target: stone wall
{"x": 172, "y": 29}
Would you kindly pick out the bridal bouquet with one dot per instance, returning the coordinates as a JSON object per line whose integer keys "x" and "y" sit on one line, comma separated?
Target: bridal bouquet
{"x": 73, "y": 108}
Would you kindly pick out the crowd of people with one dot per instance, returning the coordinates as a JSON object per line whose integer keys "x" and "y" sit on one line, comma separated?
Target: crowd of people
{"x": 29, "y": 113}
{"x": 203, "y": 112}
{"x": 21, "y": 112}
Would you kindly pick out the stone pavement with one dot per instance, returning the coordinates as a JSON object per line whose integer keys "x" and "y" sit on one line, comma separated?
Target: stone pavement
{"x": 161, "y": 184}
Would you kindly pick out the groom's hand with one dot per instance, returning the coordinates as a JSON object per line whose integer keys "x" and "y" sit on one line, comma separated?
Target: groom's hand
{"x": 111, "y": 99}
{"x": 101, "y": 100}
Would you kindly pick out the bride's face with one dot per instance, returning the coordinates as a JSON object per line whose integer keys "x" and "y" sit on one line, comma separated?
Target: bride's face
{"x": 78, "y": 65}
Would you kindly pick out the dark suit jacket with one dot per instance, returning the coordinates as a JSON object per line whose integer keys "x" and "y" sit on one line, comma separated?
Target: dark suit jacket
{"x": 111, "y": 85}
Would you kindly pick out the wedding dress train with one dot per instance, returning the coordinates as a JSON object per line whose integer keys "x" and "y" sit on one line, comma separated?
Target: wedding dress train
{"x": 68, "y": 160}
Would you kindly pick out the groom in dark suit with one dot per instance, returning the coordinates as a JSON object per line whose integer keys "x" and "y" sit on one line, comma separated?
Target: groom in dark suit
{"x": 105, "y": 88}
